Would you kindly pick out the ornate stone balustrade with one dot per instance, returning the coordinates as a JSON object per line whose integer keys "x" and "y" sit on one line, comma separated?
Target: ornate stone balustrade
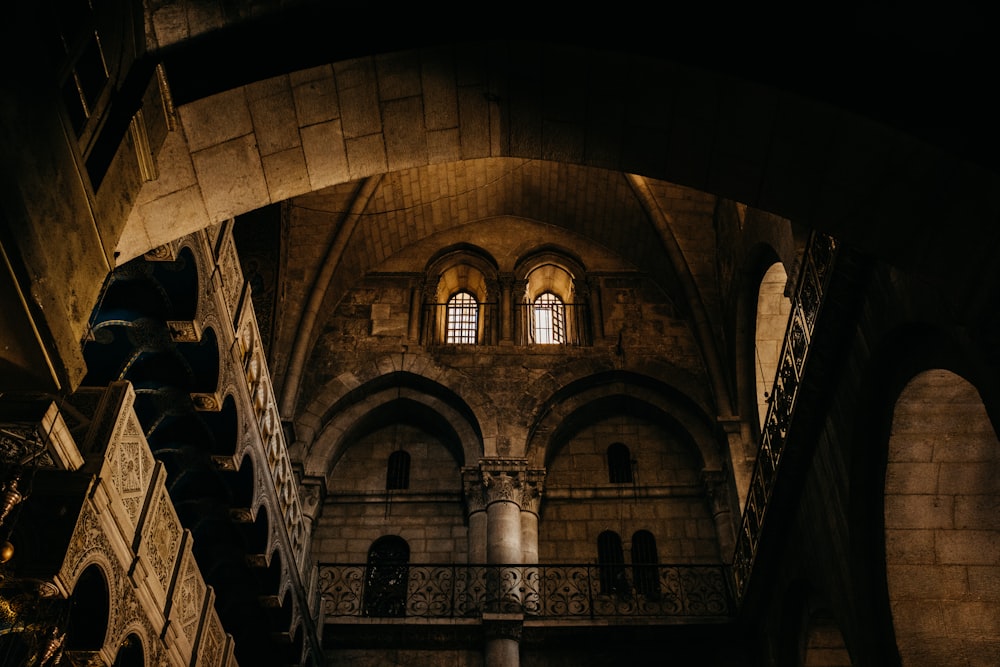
{"x": 253, "y": 362}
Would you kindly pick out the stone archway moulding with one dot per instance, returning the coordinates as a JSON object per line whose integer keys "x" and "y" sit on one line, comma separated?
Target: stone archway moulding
{"x": 298, "y": 132}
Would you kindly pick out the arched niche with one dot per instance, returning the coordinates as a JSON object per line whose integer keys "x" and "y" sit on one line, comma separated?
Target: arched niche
{"x": 453, "y": 271}
{"x": 941, "y": 496}
{"x": 773, "y": 309}
{"x": 396, "y": 398}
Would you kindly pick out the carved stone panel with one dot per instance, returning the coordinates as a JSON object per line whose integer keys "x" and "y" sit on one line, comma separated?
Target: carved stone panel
{"x": 187, "y": 599}
{"x": 130, "y": 466}
{"x": 161, "y": 537}
{"x": 212, "y": 644}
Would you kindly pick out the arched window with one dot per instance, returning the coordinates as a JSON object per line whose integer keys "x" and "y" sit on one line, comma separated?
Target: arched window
{"x": 611, "y": 560}
{"x": 386, "y": 576}
{"x": 549, "y": 319}
{"x": 619, "y": 464}
{"x": 645, "y": 563}
{"x": 397, "y": 474}
{"x": 462, "y": 320}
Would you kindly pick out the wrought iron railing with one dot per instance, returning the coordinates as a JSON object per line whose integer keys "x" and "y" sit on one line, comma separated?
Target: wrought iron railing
{"x": 807, "y": 302}
{"x": 553, "y": 592}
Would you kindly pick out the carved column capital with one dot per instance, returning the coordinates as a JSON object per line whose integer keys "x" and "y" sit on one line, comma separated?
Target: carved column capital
{"x": 503, "y": 629}
{"x": 502, "y": 487}
{"x": 473, "y": 491}
{"x": 531, "y": 496}
{"x": 717, "y": 489}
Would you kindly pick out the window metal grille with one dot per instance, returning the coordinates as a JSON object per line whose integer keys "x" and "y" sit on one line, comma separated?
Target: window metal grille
{"x": 549, "y": 319}
{"x": 645, "y": 563}
{"x": 462, "y": 320}
{"x": 386, "y": 576}
{"x": 611, "y": 559}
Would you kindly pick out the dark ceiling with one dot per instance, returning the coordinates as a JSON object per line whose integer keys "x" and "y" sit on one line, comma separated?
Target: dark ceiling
{"x": 928, "y": 71}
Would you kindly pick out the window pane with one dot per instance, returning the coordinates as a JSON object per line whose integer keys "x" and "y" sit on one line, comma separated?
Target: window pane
{"x": 550, "y": 319}
{"x": 398, "y": 471}
{"x": 619, "y": 464}
{"x": 611, "y": 558}
{"x": 462, "y": 319}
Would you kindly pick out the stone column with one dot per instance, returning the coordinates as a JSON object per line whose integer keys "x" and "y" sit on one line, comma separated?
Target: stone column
{"x": 416, "y": 302}
{"x": 433, "y": 329}
{"x": 531, "y": 496}
{"x": 503, "y": 643}
{"x": 492, "y": 318}
{"x": 506, "y": 312}
{"x": 717, "y": 488}
{"x": 595, "y": 308}
{"x": 503, "y": 484}
{"x": 475, "y": 507}
{"x": 519, "y": 318}
{"x": 503, "y": 516}
{"x": 743, "y": 457}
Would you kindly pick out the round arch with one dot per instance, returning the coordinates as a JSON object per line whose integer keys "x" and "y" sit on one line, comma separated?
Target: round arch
{"x": 90, "y": 611}
{"x": 130, "y": 652}
{"x": 662, "y": 402}
{"x": 904, "y": 353}
{"x": 451, "y": 415}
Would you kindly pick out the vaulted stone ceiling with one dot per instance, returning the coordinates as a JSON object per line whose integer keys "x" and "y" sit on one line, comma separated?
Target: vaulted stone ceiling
{"x": 394, "y": 223}
{"x": 397, "y": 127}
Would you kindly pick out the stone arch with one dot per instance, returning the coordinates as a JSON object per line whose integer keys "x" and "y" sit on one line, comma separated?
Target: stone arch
{"x": 325, "y": 157}
{"x": 614, "y": 391}
{"x": 553, "y": 270}
{"x": 90, "y": 610}
{"x": 130, "y": 652}
{"x": 345, "y": 399}
{"x": 809, "y": 634}
{"x": 203, "y": 358}
{"x": 453, "y": 270}
{"x": 258, "y": 536}
{"x": 429, "y": 412}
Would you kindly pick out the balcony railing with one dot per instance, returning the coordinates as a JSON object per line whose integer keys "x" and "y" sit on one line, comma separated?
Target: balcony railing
{"x": 807, "y": 303}
{"x": 550, "y": 592}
